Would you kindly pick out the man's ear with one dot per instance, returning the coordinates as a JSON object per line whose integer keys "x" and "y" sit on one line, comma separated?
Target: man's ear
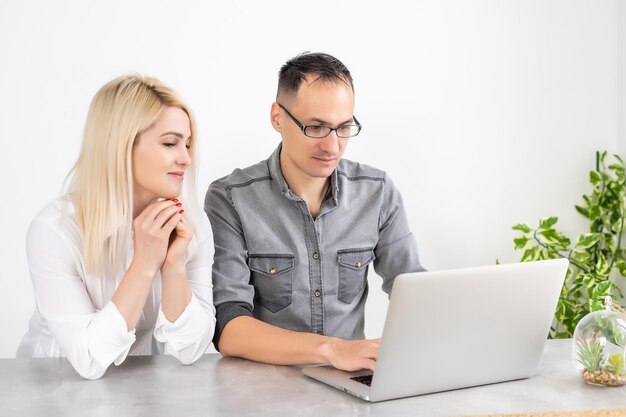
{"x": 275, "y": 117}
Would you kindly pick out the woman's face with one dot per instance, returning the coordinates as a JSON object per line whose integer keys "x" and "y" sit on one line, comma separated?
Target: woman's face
{"x": 161, "y": 156}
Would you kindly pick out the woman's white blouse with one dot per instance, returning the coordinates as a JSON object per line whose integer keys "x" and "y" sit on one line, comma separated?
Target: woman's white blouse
{"x": 74, "y": 315}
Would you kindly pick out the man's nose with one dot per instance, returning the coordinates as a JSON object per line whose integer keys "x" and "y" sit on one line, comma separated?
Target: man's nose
{"x": 330, "y": 144}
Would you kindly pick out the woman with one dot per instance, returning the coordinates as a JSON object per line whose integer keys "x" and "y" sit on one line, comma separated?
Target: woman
{"x": 121, "y": 264}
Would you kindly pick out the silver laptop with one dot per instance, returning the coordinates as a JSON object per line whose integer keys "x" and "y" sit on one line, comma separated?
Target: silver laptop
{"x": 461, "y": 328}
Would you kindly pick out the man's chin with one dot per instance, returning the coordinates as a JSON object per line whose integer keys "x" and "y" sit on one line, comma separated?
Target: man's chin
{"x": 321, "y": 173}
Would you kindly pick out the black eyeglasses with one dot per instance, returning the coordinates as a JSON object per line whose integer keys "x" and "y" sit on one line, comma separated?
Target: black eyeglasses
{"x": 319, "y": 132}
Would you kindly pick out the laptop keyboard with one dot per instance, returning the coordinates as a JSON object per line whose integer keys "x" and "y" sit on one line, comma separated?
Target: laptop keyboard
{"x": 365, "y": 379}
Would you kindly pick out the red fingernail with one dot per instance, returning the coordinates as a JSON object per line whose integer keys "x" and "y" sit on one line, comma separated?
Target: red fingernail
{"x": 175, "y": 200}
{"x": 178, "y": 204}
{"x": 182, "y": 211}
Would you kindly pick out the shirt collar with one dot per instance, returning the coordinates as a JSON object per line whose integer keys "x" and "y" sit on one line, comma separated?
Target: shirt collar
{"x": 277, "y": 176}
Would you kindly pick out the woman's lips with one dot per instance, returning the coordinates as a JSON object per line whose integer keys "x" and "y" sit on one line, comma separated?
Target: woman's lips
{"x": 178, "y": 175}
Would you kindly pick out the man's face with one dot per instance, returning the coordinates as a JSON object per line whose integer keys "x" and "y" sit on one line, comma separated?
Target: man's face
{"x": 315, "y": 104}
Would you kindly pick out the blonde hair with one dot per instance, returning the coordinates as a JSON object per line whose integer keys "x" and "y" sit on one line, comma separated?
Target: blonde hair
{"x": 101, "y": 182}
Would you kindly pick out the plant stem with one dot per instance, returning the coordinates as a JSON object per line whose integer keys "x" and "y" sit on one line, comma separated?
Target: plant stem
{"x": 602, "y": 187}
{"x": 554, "y": 251}
{"x": 619, "y": 238}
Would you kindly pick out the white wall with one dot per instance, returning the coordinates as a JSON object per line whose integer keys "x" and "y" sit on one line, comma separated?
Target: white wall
{"x": 620, "y": 18}
{"x": 485, "y": 113}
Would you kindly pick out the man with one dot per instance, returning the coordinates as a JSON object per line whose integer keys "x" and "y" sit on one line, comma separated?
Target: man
{"x": 295, "y": 234}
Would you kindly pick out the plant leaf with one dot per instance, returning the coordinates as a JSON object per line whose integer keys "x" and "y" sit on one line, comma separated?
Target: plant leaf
{"x": 522, "y": 227}
{"x": 582, "y": 210}
{"x": 581, "y": 257}
{"x": 601, "y": 290}
{"x": 549, "y": 234}
{"x": 596, "y": 305}
{"x": 560, "y": 311}
{"x": 594, "y": 212}
{"x": 530, "y": 254}
{"x": 595, "y": 178}
{"x": 587, "y": 240}
{"x": 587, "y": 280}
{"x": 602, "y": 266}
{"x": 520, "y": 242}
{"x": 548, "y": 222}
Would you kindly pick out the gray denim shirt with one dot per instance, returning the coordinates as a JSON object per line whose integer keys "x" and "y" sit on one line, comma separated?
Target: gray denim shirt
{"x": 275, "y": 262}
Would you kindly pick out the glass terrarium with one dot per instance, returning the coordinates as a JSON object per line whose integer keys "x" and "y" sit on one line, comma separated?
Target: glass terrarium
{"x": 599, "y": 341}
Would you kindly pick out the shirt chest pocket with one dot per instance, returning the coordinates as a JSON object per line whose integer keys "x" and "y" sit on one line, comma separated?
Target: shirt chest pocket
{"x": 353, "y": 266}
{"x": 272, "y": 276}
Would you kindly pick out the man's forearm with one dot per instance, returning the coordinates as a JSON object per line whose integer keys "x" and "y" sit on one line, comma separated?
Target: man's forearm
{"x": 249, "y": 338}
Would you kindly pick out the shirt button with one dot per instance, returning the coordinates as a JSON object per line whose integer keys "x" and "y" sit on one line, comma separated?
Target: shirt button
{"x": 316, "y": 255}
{"x": 318, "y": 293}
{"x": 272, "y": 271}
{"x": 358, "y": 264}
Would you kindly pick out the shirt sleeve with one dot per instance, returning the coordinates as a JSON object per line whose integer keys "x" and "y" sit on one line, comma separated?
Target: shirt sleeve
{"x": 90, "y": 339}
{"x": 190, "y": 335}
{"x": 396, "y": 250}
{"x": 233, "y": 294}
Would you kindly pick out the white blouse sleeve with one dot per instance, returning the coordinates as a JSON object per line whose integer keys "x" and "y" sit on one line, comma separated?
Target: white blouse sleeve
{"x": 191, "y": 334}
{"x": 90, "y": 339}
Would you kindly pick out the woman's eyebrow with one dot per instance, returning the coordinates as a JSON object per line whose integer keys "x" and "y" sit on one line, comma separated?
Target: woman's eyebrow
{"x": 178, "y": 135}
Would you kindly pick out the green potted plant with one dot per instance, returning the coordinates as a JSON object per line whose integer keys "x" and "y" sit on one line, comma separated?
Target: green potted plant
{"x": 596, "y": 258}
{"x": 598, "y": 369}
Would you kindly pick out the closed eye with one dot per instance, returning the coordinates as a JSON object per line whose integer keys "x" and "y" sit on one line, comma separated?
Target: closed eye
{"x": 316, "y": 128}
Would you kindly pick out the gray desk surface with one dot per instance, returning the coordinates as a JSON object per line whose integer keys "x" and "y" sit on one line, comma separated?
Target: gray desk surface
{"x": 216, "y": 386}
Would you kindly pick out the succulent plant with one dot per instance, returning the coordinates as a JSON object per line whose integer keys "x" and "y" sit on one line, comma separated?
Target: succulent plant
{"x": 615, "y": 364}
{"x": 591, "y": 354}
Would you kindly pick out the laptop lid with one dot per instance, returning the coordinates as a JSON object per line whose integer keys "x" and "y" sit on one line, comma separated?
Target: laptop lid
{"x": 453, "y": 329}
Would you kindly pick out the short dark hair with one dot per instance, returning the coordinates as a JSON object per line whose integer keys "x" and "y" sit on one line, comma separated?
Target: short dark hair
{"x": 326, "y": 67}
